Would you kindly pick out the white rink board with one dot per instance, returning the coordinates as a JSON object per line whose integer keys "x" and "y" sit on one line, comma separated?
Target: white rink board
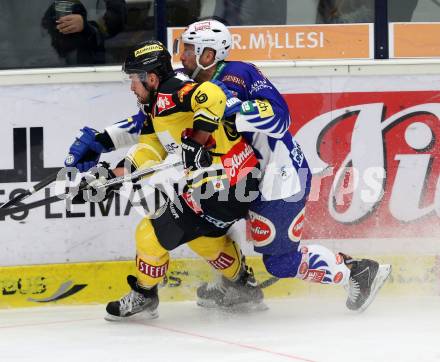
{"x": 49, "y": 235}
{"x": 62, "y": 109}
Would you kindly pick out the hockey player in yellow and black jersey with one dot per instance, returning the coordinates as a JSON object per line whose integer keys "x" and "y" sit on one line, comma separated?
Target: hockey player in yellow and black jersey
{"x": 181, "y": 117}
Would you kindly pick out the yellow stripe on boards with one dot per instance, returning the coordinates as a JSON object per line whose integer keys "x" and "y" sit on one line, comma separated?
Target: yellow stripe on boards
{"x": 101, "y": 282}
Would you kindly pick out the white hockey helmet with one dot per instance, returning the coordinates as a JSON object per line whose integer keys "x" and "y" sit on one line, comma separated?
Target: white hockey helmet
{"x": 207, "y": 34}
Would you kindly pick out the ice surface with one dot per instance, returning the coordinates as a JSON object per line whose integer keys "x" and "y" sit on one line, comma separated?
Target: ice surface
{"x": 312, "y": 329}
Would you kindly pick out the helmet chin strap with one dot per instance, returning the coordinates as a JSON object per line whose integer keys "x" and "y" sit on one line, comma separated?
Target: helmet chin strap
{"x": 146, "y": 107}
{"x": 143, "y": 107}
{"x": 195, "y": 73}
{"x": 200, "y": 67}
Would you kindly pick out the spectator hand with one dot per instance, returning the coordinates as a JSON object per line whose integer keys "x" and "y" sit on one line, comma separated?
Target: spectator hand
{"x": 70, "y": 24}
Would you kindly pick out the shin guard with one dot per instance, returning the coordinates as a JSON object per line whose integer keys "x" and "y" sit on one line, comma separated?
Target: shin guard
{"x": 321, "y": 265}
{"x": 151, "y": 257}
{"x": 222, "y": 253}
{"x": 314, "y": 263}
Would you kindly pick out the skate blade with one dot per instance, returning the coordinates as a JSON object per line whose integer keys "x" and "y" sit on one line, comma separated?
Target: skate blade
{"x": 237, "y": 308}
{"x": 208, "y": 304}
{"x": 382, "y": 275}
{"x": 141, "y": 316}
{"x": 247, "y": 308}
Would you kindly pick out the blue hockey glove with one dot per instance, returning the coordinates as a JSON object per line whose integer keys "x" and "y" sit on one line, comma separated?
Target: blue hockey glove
{"x": 232, "y": 102}
{"x": 84, "y": 153}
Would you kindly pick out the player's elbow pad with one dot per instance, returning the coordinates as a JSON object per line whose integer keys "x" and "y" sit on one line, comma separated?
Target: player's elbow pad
{"x": 258, "y": 116}
{"x": 273, "y": 126}
{"x": 125, "y": 133}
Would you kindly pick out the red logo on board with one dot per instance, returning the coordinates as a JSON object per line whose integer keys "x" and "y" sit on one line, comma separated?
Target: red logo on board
{"x": 374, "y": 158}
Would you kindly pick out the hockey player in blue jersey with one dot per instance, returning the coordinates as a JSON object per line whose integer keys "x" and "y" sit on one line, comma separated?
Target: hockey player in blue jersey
{"x": 258, "y": 111}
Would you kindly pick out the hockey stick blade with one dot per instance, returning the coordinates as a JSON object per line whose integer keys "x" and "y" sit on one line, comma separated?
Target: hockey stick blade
{"x": 133, "y": 177}
{"x": 268, "y": 282}
{"x": 32, "y": 205}
{"x": 136, "y": 175}
{"x": 43, "y": 183}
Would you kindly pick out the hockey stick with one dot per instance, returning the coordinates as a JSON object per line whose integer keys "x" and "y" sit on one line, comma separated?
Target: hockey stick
{"x": 268, "y": 282}
{"x": 43, "y": 183}
{"x": 136, "y": 175}
{"x": 133, "y": 177}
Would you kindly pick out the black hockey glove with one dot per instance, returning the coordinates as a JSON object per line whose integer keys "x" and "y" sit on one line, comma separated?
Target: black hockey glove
{"x": 195, "y": 155}
{"x": 91, "y": 189}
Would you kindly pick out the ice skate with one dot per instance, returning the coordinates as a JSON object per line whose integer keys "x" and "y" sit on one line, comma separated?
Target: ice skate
{"x": 137, "y": 304}
{"x": 243, "y": 294}
{"x": 366, "y": 279}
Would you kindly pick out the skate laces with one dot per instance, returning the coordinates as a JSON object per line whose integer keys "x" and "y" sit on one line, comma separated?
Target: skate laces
{"x": 132, "y": 299}
{"x": 220, "y": 283}
{"x": 354, "y": 289}
{"x": 216, "y": 284}
{"x": 250, "y": 278}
